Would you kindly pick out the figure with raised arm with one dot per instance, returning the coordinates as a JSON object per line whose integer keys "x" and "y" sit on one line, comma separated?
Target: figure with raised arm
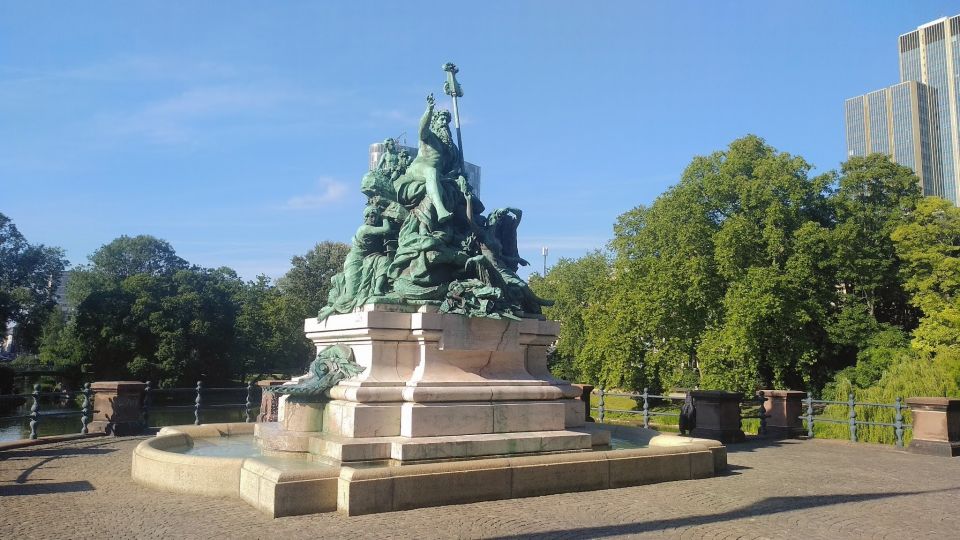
{"x": 437, "y": 158}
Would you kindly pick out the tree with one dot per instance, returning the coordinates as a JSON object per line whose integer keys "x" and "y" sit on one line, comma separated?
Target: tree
{"x": 29, "y": 277}
{"x": 873, "y": 198}
{"x": 143, "y": 311}
{"x": 572, "y": 284}
{"x": 308, "y": 282}
{"x": 725, "y": 281}
{"x": 928, "y": 243}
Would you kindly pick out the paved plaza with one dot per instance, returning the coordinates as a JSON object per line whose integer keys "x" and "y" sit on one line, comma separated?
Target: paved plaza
{"x": 791, "y": 489}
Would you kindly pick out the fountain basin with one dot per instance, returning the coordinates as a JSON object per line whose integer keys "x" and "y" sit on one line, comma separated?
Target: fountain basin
{"x": 284, "y": 486}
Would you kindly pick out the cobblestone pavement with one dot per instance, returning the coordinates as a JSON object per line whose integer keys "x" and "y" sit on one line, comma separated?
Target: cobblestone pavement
{"x": 793, "y": 489}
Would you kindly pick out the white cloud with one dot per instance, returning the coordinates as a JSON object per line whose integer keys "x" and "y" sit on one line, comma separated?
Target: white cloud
{"x": 329, "y": 191}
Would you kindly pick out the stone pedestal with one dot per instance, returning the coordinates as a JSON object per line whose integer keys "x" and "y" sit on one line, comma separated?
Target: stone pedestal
{"x": 117, "y": 407}
{"x": 435, "y": 386}
{"x": 936, "y": 426}
{"x": 784, "y": 408}
{"x": 269, "y": 402}
{"x": 718, "y": 415}
{"x": 586, "y": 390}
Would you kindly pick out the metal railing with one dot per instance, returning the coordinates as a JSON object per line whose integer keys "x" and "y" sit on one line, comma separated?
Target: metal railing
{"x": 36, "y": 411}
{"x": 645, "y": 411}
{"x": 199, "y": 404}
{"x": 815, "y": 409}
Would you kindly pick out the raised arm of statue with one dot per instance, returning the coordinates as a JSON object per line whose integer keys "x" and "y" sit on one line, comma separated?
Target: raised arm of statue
{"x": 427, "y": 118}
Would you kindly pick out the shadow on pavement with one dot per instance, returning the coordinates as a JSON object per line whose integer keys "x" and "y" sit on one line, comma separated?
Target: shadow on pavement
{"x": 753, "y": 443}
{"x": 45, "y": 489}
{"x": 768, "y": 506}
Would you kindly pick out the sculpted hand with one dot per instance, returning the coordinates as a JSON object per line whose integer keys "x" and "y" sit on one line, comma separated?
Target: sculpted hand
{"x": 430, "y": 102}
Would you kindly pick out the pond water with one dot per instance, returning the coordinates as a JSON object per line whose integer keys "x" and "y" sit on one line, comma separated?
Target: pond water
{"x": 246, "y": 446}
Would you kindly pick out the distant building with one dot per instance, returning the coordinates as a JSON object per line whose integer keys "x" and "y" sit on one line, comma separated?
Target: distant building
{"x": 916, "y": 122}
{"x": 473, "y": 171}
{"x": 900, "y": 122}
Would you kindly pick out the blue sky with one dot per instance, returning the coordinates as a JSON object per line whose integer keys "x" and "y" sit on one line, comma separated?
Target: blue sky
{"x": 238, "y": 131}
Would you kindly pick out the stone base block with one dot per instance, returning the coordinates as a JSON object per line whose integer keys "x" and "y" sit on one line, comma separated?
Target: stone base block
{"x": 492, "y": 444}
{"x": 935, "y": 448}
{"x": 350, "y": 419}
{"x": 285, "y": 487}
{"x": 302, "y": 417}
{"x": 442, "y": 419}
{"x": 346, "y": 449}
{"x": 386, "y": 489}
{"x": 281, "y": 488}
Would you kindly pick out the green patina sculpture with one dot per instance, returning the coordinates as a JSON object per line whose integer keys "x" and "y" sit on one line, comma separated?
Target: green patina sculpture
{"x": 425, "y": 239}
{"x": 333, "y": 364}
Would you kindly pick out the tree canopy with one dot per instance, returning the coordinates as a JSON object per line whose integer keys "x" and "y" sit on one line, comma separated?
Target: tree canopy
{"x": 29, "y": 277}
{"x": 752, "y": 273}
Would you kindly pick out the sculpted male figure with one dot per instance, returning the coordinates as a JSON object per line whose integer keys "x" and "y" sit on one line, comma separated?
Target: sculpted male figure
{"x": 437, "y": 157}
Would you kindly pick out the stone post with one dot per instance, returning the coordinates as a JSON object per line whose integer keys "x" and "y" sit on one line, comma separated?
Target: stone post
{"x": 936, "y": 426}
{"x": 268, "y": 401}
{"x": 783, "y": 409}
{"x": 585, "y": 391}
{"x": 117, "y": 407}
{"x": 718, "y": 415}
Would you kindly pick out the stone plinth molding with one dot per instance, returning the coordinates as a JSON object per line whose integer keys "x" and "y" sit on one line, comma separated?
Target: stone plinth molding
{"x": 783, "y": 409}
{"x": 936, "y": 426}
{"x": 718, "y": 415}
{"x": 117, "y": 407}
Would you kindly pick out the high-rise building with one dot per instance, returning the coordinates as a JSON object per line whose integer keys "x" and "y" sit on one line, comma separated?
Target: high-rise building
{"x": 915, "y": 122}
{"x": 897, "y": 121}
{"x": 931, "y": 55}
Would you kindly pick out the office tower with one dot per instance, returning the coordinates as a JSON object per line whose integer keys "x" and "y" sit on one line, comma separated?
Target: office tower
{"x": 915, "y": 122}
{"x": 931, "y": 55}
{"x": 897, "y": 121}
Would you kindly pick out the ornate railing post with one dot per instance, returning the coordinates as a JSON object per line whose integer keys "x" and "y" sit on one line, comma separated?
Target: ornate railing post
{"x": 85, "y": 414}
{"x": 898, "y": 421}
{"x": 851, "y": 404}
{"x": 35, "y": 411}
{"x": 600, "y": 406}
{"x": 249, "y": 405}
{"x": 646, "y": 408}
{"x": 146, "y": 406}
{"x": 809, "y": 415}
{"x": 197, "y": 402}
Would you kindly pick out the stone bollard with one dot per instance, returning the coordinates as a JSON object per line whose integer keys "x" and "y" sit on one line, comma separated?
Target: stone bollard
{"x": 585, "y": 391}
{"x": 936, "y": 426}
{"x": 268, "y": 401}
{"x": 783, "y": 409}
{"x": 718, "y": 415}
{"x": 117, "y": 407}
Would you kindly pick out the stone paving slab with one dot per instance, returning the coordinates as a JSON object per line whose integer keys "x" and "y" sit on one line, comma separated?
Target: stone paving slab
{"x": 792, "y": 489}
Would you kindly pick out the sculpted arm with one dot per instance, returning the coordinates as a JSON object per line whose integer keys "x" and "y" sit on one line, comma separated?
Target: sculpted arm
{"x": 427, "y": 117}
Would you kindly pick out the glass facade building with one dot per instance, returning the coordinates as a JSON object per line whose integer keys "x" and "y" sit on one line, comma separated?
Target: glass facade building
{"x": 931, "y": 55}
{"x": 916, "y": 122}
{"x": 896, "y": 121}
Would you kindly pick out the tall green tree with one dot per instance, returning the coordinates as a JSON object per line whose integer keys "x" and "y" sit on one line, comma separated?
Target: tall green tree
{"x": 29, "y": 277}
{"x": 725, "y": 281}
{"x": 928, "y": 243}
{"x": 573, "y": 285}
{"x": 308, "y": 281}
